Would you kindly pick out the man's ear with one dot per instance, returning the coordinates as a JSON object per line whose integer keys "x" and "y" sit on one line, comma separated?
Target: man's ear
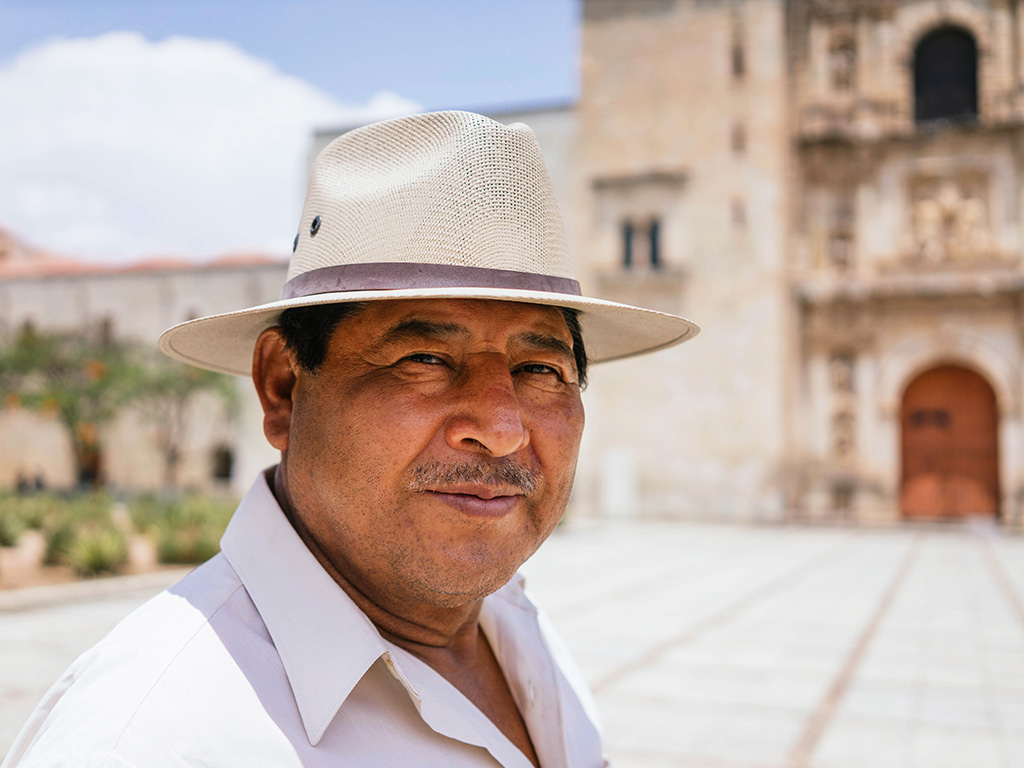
{"x": 273, "y": 373}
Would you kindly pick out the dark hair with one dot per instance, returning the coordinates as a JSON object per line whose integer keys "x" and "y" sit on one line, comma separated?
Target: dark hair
{"x": 572, "y": 321}
{"x": 307, "y": 331}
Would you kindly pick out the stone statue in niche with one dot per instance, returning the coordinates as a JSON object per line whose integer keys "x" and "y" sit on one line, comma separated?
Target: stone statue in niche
{"x": 840, "y": 250}
{"x": 843, "y": 408}
{"x": 840, "y": 241}
{"x": 950, "y": 227}
{"x": 842, "y": 60}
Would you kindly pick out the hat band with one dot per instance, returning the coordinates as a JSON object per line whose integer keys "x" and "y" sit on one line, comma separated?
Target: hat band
{"x": 390, "y": 276}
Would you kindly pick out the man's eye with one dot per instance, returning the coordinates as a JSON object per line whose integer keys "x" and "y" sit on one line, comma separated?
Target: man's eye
{"x": 426, "y": 358}
{"x": 539, "y": 368}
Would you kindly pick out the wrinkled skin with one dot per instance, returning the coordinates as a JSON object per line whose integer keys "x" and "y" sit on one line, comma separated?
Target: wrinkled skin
{"x": 432, "y": 452}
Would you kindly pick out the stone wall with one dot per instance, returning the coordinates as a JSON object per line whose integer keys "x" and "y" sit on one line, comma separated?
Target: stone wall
{"x": 682, "y": 120}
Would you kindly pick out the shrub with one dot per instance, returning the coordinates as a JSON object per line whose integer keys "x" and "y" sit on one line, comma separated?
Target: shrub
{"x": 147, "y": 512}
{"x": 186, "y": 545}
{"x": 98, "y": 550}
{"x": 18, "y": 513}
{"x": 81, "y": 531}
{"x": 38, "y": 508}
{"x": 81, "y": 516}
{"x": 59, "y": 539}
{"x": 90, "y": 508}
{"x": 185, "y": 530}
{"x": 11, "y": 525}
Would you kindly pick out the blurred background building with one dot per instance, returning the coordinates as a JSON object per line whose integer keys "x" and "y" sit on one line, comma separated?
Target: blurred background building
{"x": 832, "y": 188}
{"x": 220, "y": 448}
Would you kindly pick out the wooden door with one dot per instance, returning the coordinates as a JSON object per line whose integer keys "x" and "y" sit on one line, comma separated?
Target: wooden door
{"x": 950, "y": 465}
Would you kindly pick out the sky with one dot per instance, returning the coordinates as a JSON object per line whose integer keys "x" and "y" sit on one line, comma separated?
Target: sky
{"x": 132, "y": 128}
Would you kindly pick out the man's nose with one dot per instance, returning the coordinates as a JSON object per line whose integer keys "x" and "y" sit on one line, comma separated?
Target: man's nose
{"x": 487, "y": 415}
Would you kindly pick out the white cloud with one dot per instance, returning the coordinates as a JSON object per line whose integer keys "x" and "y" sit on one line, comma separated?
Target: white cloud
{"x": 116, "y": 147}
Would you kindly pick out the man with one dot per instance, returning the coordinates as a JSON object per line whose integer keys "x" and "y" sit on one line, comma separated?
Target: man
{"x": 421, "y": 378}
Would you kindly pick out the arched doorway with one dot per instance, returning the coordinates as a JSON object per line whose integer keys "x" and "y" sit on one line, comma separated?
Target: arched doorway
{"x": 950, "y": 462}
{"x": 946, "y": 76}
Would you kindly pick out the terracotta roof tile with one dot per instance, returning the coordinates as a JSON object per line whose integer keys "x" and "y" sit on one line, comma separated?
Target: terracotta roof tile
{"x": 18, "y": 260}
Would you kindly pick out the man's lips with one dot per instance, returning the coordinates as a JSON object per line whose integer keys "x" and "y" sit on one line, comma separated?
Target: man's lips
{"x": 478, "y": 500}
{"x": 476, "y": 489}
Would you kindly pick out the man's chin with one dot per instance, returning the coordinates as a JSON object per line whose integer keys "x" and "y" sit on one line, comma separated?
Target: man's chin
{"x": 462, "y": 584}
{"x": 456, "y": 570}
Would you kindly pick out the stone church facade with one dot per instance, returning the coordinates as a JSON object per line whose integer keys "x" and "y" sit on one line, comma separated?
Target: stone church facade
{"x": 909, "y": 139}
{"x": 833, "y": 188}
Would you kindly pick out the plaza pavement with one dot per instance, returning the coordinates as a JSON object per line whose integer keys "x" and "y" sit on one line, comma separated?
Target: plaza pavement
{"x": 719, "y": 646}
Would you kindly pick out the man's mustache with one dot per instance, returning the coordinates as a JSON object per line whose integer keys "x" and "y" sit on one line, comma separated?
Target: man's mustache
{"x": 497, "y": 472}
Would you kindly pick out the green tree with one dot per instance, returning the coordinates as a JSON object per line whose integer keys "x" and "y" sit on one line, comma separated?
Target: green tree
{"x": 165, "y": 395}
{"x": 81, "y": 379}
{"x": 86, "y": 381}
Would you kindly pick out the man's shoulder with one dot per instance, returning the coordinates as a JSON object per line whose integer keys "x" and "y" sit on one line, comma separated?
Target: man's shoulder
{"x": 157, "y": 636}
{"x": 175, "y": 655}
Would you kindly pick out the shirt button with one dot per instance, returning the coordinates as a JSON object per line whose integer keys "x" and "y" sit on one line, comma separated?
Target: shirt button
{"x": 531, "y": 692}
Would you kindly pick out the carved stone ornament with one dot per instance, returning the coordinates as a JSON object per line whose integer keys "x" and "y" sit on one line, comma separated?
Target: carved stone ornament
{"x": 843, "y": 409}
{"x": 851, "y": 9}
{"x": 950, "y": 227}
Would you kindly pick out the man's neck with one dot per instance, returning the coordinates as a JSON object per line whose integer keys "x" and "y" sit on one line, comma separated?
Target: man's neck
{"x": 449, "y": 640}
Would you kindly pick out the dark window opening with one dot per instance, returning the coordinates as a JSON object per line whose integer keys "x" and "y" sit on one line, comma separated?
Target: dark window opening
{"x": 627, "y": 244}
{"x": 739, "y": 60}
{"x": 641, "y": 243}
{"x": 106, "y": 330}
{"x": 88, "y": 455}
{"x": 946, "y": 76}
{"x": 652, "y": 238}
{"x": 223, "y": 463}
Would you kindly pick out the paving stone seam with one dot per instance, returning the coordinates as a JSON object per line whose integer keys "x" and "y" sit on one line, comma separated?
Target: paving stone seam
{"x": 1002, "y": 578}
{"x": 779, "y": 583}
{"x": 824, "y": 712}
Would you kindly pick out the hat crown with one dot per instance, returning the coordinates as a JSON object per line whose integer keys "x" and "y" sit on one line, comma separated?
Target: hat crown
{"x": 445, "y": 188}
{"x": 448, "y": 205}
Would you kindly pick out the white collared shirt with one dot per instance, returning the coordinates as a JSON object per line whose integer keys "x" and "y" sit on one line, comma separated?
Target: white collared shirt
{"x": 257, "y": 658}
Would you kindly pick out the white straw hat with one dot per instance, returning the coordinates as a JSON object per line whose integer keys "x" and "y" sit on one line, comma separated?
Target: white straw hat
{"x": 441, "y": 205}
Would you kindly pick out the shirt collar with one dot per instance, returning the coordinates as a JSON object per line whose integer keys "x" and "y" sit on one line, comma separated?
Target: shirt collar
{"x": 325, "y": 642}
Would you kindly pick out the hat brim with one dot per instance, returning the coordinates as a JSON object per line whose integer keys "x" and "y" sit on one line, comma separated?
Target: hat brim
{"x": 225, "y": 342}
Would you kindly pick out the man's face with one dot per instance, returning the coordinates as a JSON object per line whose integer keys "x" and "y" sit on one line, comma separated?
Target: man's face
{"x": 434, "y": 450}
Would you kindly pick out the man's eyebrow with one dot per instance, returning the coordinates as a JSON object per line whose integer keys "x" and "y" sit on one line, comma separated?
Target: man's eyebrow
{"x": 546, "y": 342}
{"x": 419, "y": 328}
